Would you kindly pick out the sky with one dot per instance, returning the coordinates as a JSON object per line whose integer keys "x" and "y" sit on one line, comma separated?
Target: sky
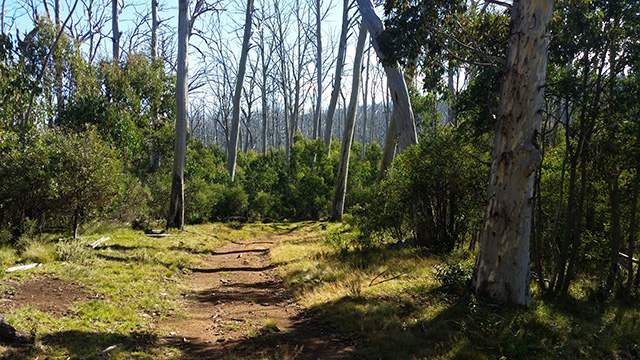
{"x": 19, "y": 18}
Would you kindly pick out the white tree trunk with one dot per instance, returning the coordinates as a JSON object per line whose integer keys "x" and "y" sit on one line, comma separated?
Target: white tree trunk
{"x": 175, "y": 218}
{"x": 318, "y": 117}
{"x": 405, "y": 122}
{"x": 115, "y": 27}
{"x": 4, "y": 3}
{"x": 338, "y": 76}
{"x": 365, "y": 110}
{"x": 56, "y": 61}
{"x": 337, "y": 207}
{"x": 389, "y": 151}
{"x": 235, "y": 121}
{"x": 502, "y": 264}
{"x": 263, "y": 91}
{"x": 155, "y": 23}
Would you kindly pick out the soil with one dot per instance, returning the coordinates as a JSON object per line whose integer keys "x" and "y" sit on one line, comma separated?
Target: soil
{"x": 232, "y": 299}
{"x": 50, "y": 295}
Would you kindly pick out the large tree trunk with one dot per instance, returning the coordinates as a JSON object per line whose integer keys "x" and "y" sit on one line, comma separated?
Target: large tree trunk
{"x": 338, "y": 75}
{"x": 235, "y": 122}
{"x": 115, "y": 27}
{"x": 405, "y": 122}
{"x": 337, "y": 207}
{"x": 502, "y": 265}
{"x": 175, "y": 218}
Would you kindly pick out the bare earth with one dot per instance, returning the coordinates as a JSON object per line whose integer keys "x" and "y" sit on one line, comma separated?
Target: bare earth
{"x": 231, "y": 301}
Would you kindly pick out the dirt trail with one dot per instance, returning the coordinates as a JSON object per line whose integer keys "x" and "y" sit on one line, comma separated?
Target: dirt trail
{"x": 232, "y": 299}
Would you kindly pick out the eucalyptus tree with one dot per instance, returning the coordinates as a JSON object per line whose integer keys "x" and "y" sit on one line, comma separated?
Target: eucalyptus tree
{"x": 405, "y": 122}
{"x": 337, "y": 78}
{"x": 235, "y": 122}
{"x": 337, "y": 206}
{"x": 115, "y": 30}
{"x": 502, "y": 263}
{"x": 175, "y": 217}
{"x": 265, "y": 49}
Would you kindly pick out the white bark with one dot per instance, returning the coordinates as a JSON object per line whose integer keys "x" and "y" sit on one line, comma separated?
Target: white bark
{"x": 318, "y": 117}
{"x": 175, "y": 218}
{"x": 4, "y": 2}
{"x": 155, "y": 156}
{"x": 235, "y": 120}
{"x": 365, "y": 113}
{"x": 337, "y": 207}
{"x": 56, "y": 61}
{"x": 115, "y": 27}
{"x": 155, "y": 22}
{"x": 338, "y": 75}
{"x": 405, "y": 122}
{"x": 502, "y": 263}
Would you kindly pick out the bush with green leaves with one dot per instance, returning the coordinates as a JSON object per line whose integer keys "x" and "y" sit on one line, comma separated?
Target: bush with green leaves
{"x": 57, "y": 178}
{"x": 231, "y": 202}
{"x": 432, "y": 197}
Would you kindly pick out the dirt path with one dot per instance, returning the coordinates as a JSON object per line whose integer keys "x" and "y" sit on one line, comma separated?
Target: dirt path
{"x": 238, "y": 307}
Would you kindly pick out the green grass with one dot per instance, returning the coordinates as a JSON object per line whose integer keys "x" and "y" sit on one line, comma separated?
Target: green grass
{"x": 138, "y": 280}
{"x": 388, "y": 301}
{"x": 401, "y": 303}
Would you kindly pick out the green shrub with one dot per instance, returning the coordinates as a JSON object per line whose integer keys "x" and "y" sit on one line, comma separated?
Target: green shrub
{"x": 453, "y": 277}
{"x": 233, "y": 202}
{"x": 433, "y": 195}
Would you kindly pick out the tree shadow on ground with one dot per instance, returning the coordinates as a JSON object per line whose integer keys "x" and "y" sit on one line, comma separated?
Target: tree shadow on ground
{"x": 306, "y": 339}
{"x": 74, "y": 344}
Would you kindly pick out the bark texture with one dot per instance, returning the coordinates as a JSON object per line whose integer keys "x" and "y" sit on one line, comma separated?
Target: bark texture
{"x": 235, "y": 120}
{"x": 338, "y": 75}
{"x": 175, "y": 218}
{"x": 405, "y": 121}
{"x": 115, "y": 27}
{"x": 337, "y": 207}
{"x": 502, "y": 264}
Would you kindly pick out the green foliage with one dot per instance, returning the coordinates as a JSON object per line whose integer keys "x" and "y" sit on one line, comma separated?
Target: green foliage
{"x": 230, "y": 203}
{"x": 433, "y": 195}
{"x": 57, "y": 178}
{"x": 453, "y": 276}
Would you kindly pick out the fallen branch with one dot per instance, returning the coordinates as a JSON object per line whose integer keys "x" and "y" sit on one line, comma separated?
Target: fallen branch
{"x": 95, "y": 244}
{"x": 109, "y": 349}
{"x": 163, "y": 235}
{"x": 22, "y": 267}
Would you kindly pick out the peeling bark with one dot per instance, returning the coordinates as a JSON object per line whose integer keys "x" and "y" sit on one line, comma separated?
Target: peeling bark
{"x": 405, "y": 121}
{"x": 502, "y": 265}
